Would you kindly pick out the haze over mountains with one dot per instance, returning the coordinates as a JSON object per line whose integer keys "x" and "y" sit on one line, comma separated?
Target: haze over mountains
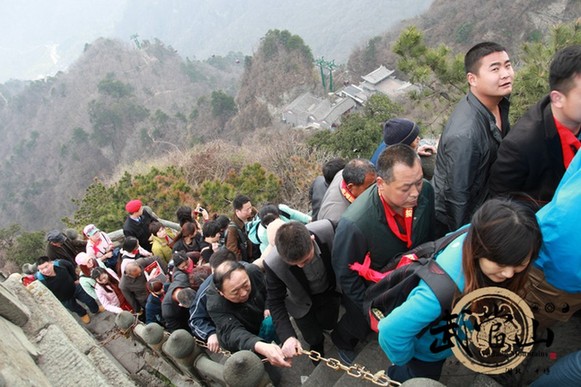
{"x": 40, "y": 38}
{"x": 137, "y": 99}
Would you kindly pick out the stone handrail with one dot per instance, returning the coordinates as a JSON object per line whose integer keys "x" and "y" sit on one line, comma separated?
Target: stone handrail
{"x": 242, "y": 369}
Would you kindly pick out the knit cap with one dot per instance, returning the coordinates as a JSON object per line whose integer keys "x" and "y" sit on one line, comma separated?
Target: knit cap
{"x": 399, "y": 131}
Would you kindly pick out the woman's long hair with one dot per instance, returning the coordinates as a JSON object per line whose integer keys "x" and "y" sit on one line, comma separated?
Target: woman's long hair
{"x": 188, "y": 228}
{"x": 96, "y": 273}
{"x": 504, "y": 232}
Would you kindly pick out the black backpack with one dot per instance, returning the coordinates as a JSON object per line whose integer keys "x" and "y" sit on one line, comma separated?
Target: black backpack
{"x": 243, "y": 242}
{"x": 392, "y": 290}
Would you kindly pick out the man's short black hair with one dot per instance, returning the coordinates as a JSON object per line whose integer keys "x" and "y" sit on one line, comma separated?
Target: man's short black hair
{"x": 331, "y": 167}
{"x": 130, "y": 243}
{"x": 392, "y": 155}
{"x": 293, "y": 241}
{"x": 41, "y": 260}
{"x": 221, "y": 255}
{"x": 239, "y": 201}
{"x": 566, "y": 65}
{"x": 222, "y": 221}
{"x": 186, "y": 297}
{"x": 476, "y": 53}
{"x": 211, "y": 228}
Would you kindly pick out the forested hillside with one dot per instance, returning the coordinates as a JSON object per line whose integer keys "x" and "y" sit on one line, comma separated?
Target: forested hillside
{"x": 118, "y": 103}
{"x": 460, "y": 25}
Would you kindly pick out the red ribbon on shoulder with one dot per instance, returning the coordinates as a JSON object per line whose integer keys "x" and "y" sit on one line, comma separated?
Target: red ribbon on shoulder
{"x": 346, "y": 192}
{"x": 365, "y": 270}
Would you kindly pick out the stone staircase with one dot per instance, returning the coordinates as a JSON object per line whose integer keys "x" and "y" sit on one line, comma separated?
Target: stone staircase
{"x": 454, "y": 374}
{"x": 42, "y": 344}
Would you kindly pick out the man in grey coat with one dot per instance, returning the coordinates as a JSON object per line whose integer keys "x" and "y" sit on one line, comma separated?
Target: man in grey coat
{"x": 300, "y": 282}
{"x": 349, "y": 183}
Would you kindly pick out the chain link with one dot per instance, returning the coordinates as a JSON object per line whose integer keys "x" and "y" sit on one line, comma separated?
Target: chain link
{"x": 356, "y": 371}
{"x": 220, "y": 350}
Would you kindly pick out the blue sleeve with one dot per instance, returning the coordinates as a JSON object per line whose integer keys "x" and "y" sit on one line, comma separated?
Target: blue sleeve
{"x": 295, "y": 214}
{"x": 153, "y": 311}
{"x": 398, "y": 330}
{"x": 200, "y": 322}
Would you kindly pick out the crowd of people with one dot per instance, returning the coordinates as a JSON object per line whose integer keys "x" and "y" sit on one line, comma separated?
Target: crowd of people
{"x": 235, "y": 282}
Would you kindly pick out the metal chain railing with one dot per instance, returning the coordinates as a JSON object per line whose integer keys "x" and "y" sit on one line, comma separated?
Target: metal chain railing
{"x": 356, "y": 371}
{"x": 220, "y": 350}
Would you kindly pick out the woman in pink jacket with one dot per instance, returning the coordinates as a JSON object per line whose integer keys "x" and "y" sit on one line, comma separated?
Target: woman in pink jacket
{"x": 108, "y": 292}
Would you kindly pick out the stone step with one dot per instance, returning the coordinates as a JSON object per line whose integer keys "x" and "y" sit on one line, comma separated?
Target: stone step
{"x": 322, "y": 376}
{"x": 372, "y": 358}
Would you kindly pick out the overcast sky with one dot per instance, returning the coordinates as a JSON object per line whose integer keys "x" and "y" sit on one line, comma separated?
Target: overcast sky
{"x": 40, "y": 37}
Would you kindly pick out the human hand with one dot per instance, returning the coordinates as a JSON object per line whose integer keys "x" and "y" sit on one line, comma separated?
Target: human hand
{"x": 427, "y": 150}
{"x": 212, "y": 343}
{"x": 266, "y": 313}
{"x": 273, "y": 354}
{"x": 292, "y": 347}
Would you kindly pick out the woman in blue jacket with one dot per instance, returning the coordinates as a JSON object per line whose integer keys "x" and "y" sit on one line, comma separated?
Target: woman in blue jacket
{"x": 497, "y": 250}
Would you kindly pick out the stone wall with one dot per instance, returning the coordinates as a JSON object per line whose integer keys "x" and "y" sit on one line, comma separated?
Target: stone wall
{"x": 43, "y": 345}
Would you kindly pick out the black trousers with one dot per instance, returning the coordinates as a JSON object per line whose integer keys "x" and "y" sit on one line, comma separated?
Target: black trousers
{"x": 322, "y": 316}
{"x": 416, "y": 369}
{"x": 352, "y": 327}
{"x": 82, "y": 296}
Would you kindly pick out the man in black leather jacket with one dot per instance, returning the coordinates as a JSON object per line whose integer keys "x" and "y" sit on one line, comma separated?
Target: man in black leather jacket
{"x": 534, "y": 156}
{"x": 472, "y": 136}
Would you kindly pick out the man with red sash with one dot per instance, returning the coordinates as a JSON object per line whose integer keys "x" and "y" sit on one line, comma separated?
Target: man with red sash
{"x": 392, "y": 216}
{"x": 534, "y": 155}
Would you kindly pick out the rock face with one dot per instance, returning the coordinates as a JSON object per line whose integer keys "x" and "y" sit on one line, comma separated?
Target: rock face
{"x": 43, "y": 345}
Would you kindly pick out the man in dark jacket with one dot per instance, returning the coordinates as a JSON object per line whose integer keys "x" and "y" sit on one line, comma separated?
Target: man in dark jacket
{"x": 61, "y": 247}
{"x": 175, "y": 306}
{"x": 133, "y": 283}
{"x": 392, "y": 216}
{"x": 61, "y": 279}
{"x": 533, "y": 157}
{"x": 300, "y": 282}
{"x": 236, "y": 234}
{"x": 321, "y": 183}
{"x": 471, "y": 137}
{"x": 137, "y": 223}
{"x": 200, "y": 322}
{"x": 237, "y": 305}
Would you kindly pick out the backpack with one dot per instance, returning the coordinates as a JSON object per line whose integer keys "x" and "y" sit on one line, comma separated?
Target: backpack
{"x": 417, "y": 264}
{"x": 243, "y": 242}
{"x": 252, "y": 230}
{"x": 39, "y": 276}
